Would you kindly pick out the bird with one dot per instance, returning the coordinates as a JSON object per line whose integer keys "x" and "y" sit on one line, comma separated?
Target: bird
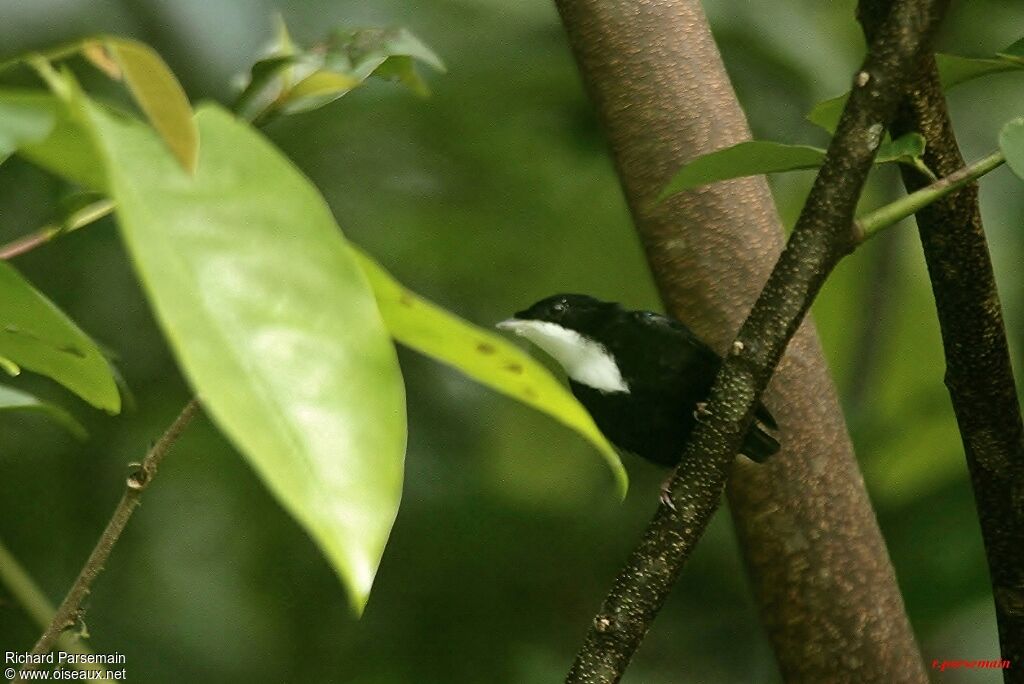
{"x": 645, "y": 378}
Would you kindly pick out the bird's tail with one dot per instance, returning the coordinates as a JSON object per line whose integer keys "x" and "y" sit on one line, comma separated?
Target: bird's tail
{"x": 759, "y": 445}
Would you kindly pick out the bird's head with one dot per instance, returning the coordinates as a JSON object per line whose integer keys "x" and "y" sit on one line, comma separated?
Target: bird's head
{"x": 568, "y": 328}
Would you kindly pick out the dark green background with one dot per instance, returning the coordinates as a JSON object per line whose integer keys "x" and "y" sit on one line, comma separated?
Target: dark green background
{"x": 492, "y": 193}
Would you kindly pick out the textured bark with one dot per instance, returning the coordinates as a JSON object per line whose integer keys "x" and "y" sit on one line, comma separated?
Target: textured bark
{"x": 979, "y": 375}
{"x": 821, "y": 574}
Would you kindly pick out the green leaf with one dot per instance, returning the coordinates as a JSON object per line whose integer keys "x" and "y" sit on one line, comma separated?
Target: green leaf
{"x": 9, "y": 367}
{"x": 15, "y": 400}
{"x": 402, "y": 69}
{"x": 954, "y": 69}
{"x": 273, "y": 322}
{"x": 290, "y": 80}
{"x": 745, "y": 159}
{"x": 1011, "y": 142}
{"x": 24, "y": 118}
{"x": 65, "y": 149}
{"x": 316, "y": 90}
{"x": 361, "y": 52}
{"x": 906, "y": 149}
{"x": 1014, "y": 53}
{"x": 763, "y": 156}
{"x": 274, "y": 74}
{"x": 36, "y": 335}
{"x": 483, "y": 356}
{"x": 151, "y": 82}
{"x": 268, "y": 78}
{"x": 159, "y": 95}
{"x": 827, "y": 112}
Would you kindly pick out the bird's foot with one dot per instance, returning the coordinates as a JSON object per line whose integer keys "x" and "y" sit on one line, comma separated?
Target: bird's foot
{"x": 701, "y": 411}
{"x": 666, "y": 496}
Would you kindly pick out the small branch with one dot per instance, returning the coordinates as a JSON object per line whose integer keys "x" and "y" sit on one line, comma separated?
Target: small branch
{"x": 821, "y": 238}
{"x": 71, "y": 608}
{"x": 78, "y": 219}
{"x": 32, "y": 599}
{"x": 26, "y": 243}
{"x": 867, "y": 226}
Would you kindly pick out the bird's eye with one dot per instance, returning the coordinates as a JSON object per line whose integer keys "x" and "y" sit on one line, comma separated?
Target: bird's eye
{"x": 559, "y": 307}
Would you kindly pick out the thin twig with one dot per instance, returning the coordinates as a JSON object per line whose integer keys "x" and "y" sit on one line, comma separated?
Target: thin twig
{"x": 70, "y": 610}
{"x": 820, "y": 239}
{"x": 34, "y": 602}
{"x": 79, "y": 219}
{"x": 867, "y": 226}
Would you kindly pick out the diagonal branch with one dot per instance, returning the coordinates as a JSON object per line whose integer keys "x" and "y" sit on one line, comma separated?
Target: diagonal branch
{"x": 34, "y": 602}
{"x": 70, "y": 608}
{"x": 979, "y": 375}
{"x": 821, "y": 238}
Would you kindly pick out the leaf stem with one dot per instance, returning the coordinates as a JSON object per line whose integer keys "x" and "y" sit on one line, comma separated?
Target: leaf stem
{"x": 867, "y": 226}
{"x": 70, "y": 610}
{"x": 78, "y": 219}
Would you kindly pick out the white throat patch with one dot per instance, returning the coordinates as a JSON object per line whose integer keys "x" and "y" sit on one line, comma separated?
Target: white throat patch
{"x": 584, "y": 360}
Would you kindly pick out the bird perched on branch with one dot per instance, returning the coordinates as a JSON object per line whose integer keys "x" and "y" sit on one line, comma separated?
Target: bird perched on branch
{"x": 643, "y": 377}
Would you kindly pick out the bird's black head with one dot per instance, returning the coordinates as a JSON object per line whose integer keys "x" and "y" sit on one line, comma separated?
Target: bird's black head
{"x": 578, "y": 312}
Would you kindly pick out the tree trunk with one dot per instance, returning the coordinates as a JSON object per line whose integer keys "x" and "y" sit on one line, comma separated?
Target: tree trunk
{"x": 821, "y": 574}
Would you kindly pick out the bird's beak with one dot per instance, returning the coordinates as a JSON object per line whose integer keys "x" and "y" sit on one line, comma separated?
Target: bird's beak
{"x": 513, "y": 325}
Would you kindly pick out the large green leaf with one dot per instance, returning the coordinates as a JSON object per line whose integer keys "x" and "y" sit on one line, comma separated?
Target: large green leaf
{"x": 15, "y": 400}
{"x": 1011, "y": 142}
{"x": 36, "y": 335}
{"x": 483, "y": 356}
{"x": 274, "y": 324}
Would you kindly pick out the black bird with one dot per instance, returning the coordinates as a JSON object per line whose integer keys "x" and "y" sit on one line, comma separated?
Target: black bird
{"x": 643, "y": 376}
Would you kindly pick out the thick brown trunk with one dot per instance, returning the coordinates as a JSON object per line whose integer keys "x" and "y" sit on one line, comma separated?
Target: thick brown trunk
{"x": 822, "y": 577}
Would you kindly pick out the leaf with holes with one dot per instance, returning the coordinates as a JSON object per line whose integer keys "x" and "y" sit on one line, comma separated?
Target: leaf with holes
{"x": 36, "y": 335}
{"x": 483, "y": 356}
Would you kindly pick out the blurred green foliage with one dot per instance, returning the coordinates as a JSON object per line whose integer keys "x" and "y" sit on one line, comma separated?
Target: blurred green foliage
{"x": 494, "y": 192}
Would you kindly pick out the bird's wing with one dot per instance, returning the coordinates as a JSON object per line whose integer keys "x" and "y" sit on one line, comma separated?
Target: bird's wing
{"x": 668, "y": 351}
{"x": 706, "y": 356}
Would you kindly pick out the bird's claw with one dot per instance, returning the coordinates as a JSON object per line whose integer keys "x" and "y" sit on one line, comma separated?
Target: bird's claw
{"x": 666, "y": 496}
{"x": 701, "y": 411}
